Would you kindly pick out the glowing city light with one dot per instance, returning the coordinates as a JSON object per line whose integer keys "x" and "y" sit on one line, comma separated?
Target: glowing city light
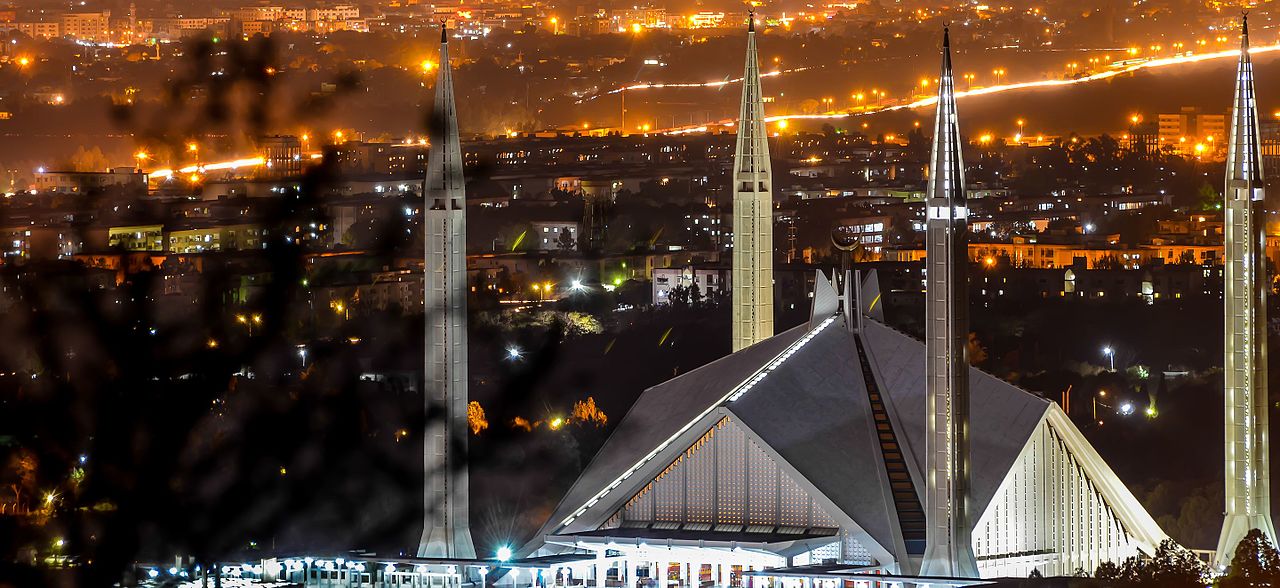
{"x": 504, "y": 553}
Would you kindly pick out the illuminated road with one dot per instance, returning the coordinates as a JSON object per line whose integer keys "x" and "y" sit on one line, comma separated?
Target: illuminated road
{"x": 920, "y": 103}
{"x": 208, "y": 167}
{"x": 715, "y": 84}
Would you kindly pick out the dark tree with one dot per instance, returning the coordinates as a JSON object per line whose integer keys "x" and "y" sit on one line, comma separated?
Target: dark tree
{"x": 1176, "y": 567}
{"x": 565, "y": 241}
{"x": 1255, "y": 563}
{"x": 1173, "y": 566}
{"x": 680, "y": 296}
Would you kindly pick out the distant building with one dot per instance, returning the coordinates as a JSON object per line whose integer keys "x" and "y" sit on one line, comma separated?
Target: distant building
{"x": 710, "y": 280}
{"x": 1269, "y": 133}
{"x": 71, "y": 182}
{"x": 1195, "y": 228}
{"x": 267, "y": 188}
{"x": 136, "y": 238}
{"x": 39, "y": 29}
{"x": 87, "y": 26}
{"x": 548, "y": 234}
{"x": 334, "y": 13}
{"x": 217, "y": 238}
{"x": 1033, "y": 252}
{"x": 283, "y": 154}
{"x": 648, "y": 17}
{"x": 393, "y": 288}
{"x": 871, "y": 232}
{"x": 250, "y": 28}
{"x": 1158, "y": 283}
{"x": 1189, "y": 128}
{"x": 181, "y": 27}
{"x": 705, "y": 20}
{"x": 39, "y": 242}
{"x": 392, "y": 159}
{"x": 706, "y": 226}
{"x": 254, "y": 13}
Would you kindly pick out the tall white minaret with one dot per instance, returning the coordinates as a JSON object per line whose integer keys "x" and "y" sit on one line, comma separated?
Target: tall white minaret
{"x": 1248, "y": 487}
{"x": 752, "y": 213}
{"x": 948, "y": 544}
{"x": 447, "y": 530}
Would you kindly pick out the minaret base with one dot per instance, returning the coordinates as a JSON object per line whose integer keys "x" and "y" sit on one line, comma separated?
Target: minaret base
{"x": 435, "y": 543}
{"x": 941, "y": 561}
{"x": 1234, "y": 528}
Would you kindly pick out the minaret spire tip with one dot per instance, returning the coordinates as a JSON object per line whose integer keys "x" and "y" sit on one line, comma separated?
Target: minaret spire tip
{"x": 946, "y": 50}
{"x": 444, "y": 33}
{"x": 751, "y": 20}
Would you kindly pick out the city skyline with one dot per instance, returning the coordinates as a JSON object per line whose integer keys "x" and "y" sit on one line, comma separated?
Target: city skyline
{"x": 737, "y": 352}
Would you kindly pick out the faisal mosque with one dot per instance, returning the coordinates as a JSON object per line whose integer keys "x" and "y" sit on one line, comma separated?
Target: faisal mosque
{"x": 842, "y": 449}
{"x": 836, "y": 451}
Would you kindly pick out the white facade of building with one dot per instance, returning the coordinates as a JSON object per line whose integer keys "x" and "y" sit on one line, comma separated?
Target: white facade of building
{"x": 709, "y": 280}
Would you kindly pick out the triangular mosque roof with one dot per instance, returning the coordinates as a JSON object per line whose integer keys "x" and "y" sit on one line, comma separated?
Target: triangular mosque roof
{"x": 806, "y": 400}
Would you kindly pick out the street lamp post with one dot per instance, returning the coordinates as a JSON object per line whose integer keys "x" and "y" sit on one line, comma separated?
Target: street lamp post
{"x": 1111, "y": 355}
